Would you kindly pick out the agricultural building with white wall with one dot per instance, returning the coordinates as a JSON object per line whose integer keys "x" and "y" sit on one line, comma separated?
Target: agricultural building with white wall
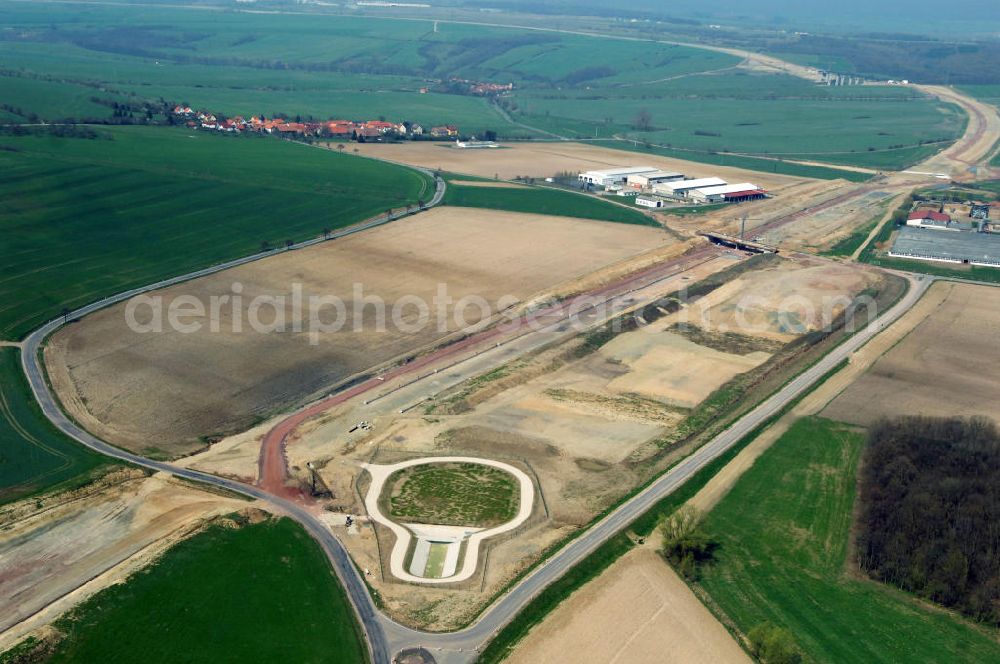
{"x": 744, "y": 191}
{"x": 610, "y": 176}
{"x": 680, "y": 188}
{"x": 648, "y": 180}
{"x": 649, "y": 201}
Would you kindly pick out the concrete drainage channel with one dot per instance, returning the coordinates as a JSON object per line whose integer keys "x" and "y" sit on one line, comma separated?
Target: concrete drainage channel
{"x": 440, "y": 541}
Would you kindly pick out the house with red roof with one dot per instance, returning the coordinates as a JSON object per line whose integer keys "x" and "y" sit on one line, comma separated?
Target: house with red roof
{"x": 931, "y": 219}
{"x": 338, "y": 128}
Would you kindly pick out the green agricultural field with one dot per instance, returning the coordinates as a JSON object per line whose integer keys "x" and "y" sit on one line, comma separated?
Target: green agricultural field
{"x": 885, "y": 159}
{"x": 322, "y": 66}
{"x": 362, "y": 67}
{"x": 987, "y": 93}
{"x": 346, "y": 44}
{"x": 34, "y": 455}
{"x": 783, "y": 558}
{"x": 834, "y": 129}
{"x": 260, "y": 592}
{"x": 454, "y": 494}
{"x": 992, "y": 186}
{"x": 773, "y": 115}
{"x": 739, "y": 161}
{"x": 85, "y": 218}
{"x": 543, "y": 200}
{"x": 34, "y": 100}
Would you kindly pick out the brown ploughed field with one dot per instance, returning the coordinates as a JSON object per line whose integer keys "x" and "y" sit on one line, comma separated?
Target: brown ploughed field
{"x": 943, "y": 367}
{"x": 171, "y": 392}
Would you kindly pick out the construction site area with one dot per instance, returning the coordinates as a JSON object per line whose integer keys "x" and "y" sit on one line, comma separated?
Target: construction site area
{"x": 584, "y": 416}
{"x": 579, "y": 414}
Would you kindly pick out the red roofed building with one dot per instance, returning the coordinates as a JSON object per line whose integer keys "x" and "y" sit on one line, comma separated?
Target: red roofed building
{"x": 929, "y": 215}
{"x": 365, "y": 132}
{"x": 745, "y": 195}
{"x": 292, "y": 128}
{"x": 380, "y": 126}
{"x": 932, "y": 219}
{"x": 272, "y": 126}
{"x": 338, "y": 127}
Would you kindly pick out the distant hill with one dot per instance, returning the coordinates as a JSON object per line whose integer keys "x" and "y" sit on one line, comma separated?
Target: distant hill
{"x": 961, "y": 17}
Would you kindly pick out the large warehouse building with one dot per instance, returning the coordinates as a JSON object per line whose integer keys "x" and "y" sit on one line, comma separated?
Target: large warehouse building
{"x": 966, "y": 247}
{"x": 649, "y": 180}
{"x": 680, "y": 188}
{"x": 610, "y": 176}
{"x": 727, "y": 193}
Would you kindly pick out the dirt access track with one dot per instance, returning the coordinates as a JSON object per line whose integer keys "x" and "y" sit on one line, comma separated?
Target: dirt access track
{"x": 540, "y": 159}
{"x": 169, "y": 391}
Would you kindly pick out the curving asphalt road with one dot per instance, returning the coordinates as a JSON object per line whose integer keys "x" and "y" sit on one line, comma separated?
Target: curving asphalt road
{"x": 34, "y": 372}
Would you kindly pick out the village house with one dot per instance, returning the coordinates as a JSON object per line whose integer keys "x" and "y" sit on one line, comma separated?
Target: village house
{"x": 491, "y": 88}
{"x": 345, "y": 129}
{"x": 444, "y": 131}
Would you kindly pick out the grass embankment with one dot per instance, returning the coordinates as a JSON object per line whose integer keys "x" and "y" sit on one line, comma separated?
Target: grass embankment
{"x": 454, "y": 494}
{"x": 970, "y": 273}
{"x": 255, "y": 593}
{"x": 690, "y": 210}
{"x": 86, "y": 218}
{"x": 783, "y": 532}
{"x": 848, "y": 245}
{"x": 34, "y": 455}
{"x": 543, "y": 200}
